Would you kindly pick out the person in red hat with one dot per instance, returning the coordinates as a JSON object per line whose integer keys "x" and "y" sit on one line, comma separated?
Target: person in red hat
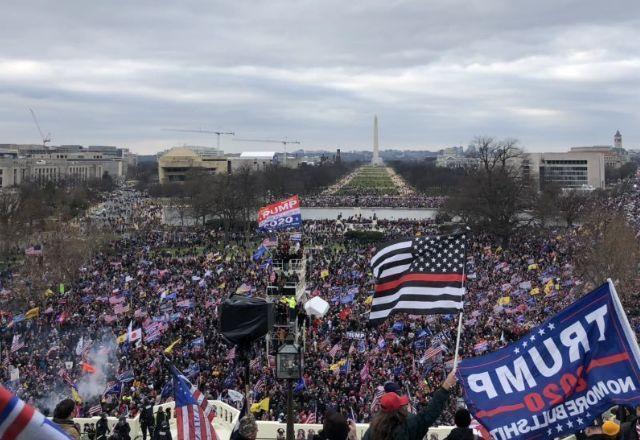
{"x": 394, "y": 422}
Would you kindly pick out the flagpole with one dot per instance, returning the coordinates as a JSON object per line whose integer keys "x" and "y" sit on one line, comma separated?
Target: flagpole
{"x": 455, "y": 355}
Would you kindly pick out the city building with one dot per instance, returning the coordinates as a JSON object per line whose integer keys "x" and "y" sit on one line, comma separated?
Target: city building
{"x": 23, "y": 163}
{"x": 613, "y": 157}
{"x": 617, "y": 140}
{"x": 571, "y": 170}
{"x": 176, "y": 163}
{"x": 455, "y": 161}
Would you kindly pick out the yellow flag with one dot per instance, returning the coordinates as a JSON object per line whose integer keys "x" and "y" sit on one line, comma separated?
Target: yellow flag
{"x": 504, "y": 301}
{"x": 222, "y": 286}
{"x": 324, "y": 273}
{"x": 170, "y": 348}
{"x": 122, "y": 338}
{"x": 548, "y": 287}
{"x": 369, "y": 300}
{"x": 33, "y": 313}
{"x": 75, "y": 396}
{"x": 48, "y": 293}
{"x": 533, "y": 266}
{"x": 535, "y": 291}
{"x": 263, "y": 405}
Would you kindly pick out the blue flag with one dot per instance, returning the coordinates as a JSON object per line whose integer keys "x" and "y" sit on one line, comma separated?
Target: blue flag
{"x": 300, "y": 386}
{"x": 167, "y": 390}
{"x": 560, "y": 376}
{"x": 259, "y": 252}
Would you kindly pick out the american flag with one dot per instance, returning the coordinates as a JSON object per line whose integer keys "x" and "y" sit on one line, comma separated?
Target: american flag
{"x": 255, "y": 363}
{"x": 259, "y": 386}
{"x": 334, "y": 351}
{"x": 376, "y": 397}
{"x": 431, "y": 353}
{"x": 194, "y": 415}
{"x": 19, "y": 420}
{"x": 119, "y": 308}
{"x": 95, "y": 409}
{"x": 422, "y": 276}
{"x": 17, "y": 343}
{"x": 364, "y": 373}
{"x": 311, "y": 418}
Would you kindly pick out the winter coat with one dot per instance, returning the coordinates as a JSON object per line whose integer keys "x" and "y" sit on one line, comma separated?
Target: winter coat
{"x": 461, "y": 434}
{"x": 69, "y": 427}
{"x": 416, "y": 425}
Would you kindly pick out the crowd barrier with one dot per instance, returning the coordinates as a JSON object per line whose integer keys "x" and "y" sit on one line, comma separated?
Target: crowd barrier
{"x": 227, "y": 416}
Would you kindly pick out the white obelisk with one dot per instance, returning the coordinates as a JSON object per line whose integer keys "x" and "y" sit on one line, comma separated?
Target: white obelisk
{"x": 376, "y": 148}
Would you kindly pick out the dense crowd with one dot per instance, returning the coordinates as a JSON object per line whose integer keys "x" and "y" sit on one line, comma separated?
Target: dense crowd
{"x": 373, "y": 201}
{"x": 156, "y": 293}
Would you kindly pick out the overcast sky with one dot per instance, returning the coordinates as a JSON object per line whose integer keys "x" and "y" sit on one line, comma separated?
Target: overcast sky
{"x": 552, "y": 73}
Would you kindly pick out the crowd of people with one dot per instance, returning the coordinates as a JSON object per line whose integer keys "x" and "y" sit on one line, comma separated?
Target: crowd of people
{"x": 153, "y": 298}
{"x": 366, "y": 200}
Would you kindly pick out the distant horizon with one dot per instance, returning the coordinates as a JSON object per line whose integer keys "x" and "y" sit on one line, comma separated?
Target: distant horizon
{"x": 315, "y": 149}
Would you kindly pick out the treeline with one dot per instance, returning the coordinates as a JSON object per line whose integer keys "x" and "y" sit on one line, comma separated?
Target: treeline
{"x": 427, "y": 178}
{"x": 40, "y": 214}
{"x": 232, "y": 200}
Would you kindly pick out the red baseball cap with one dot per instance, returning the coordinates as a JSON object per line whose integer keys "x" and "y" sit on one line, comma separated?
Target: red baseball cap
{"x": 390, "y": 402}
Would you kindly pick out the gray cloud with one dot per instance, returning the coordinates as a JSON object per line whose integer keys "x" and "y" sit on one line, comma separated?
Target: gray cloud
{"x": 553, "y": 73}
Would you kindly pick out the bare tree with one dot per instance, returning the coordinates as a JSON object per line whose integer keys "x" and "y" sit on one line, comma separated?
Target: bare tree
{"x": 493, "y": 197}
{"x": 608, "y": 248}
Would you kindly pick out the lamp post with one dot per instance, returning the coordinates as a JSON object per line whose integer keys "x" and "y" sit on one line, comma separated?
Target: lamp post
{"x": 289, "y": 367}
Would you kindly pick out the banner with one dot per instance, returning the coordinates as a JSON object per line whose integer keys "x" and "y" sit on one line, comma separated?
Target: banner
{"x": 280, "y": 215}
{"x": 560, "y": 376}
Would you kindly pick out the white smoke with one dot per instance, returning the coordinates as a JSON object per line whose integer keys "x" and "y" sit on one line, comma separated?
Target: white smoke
{"x": 103, "y": 357}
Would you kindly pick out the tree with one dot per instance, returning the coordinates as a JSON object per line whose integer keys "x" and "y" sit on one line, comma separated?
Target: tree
{"x": 554, "y": 203}
{"x": 607, "y": 248}
{"x": 493, "y": 197}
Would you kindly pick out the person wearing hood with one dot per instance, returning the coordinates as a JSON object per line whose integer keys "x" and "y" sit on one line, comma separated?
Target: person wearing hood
{"x": 462, "y": 431}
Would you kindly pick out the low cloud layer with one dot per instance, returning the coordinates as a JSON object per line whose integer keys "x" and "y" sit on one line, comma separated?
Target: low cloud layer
{"x": 553, "y": 73}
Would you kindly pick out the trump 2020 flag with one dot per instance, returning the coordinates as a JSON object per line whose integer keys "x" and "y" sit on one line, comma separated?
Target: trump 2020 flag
{"x": 560, "y": 376}
{"x": 20, "y": 421}
{"x": 280, "y": 215}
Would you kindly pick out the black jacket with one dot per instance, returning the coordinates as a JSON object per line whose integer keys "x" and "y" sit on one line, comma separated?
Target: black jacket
{"x": 102, "y": 429}
{"x": 629, "y": 430}
{"x": 162, "y": 431}
{"x": 146, "y": 415}
{"x": 417, "y": 425}
{"x": 461, "y": 434}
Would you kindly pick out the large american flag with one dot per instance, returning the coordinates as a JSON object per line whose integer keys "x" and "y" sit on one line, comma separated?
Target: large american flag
{"x": 422, "y": 276}
{"x": 194, "y": 415}
{"x": 21, "y": 421}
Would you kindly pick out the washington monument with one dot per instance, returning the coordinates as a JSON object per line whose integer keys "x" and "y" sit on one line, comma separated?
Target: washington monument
{"x": 376, "y": 148}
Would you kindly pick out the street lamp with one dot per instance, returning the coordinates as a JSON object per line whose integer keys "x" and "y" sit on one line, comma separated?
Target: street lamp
{"x": 289, "y": 367}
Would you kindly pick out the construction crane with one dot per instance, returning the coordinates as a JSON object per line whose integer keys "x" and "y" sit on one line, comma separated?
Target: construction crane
{"x": 284, "y": 143}
{"x": 217, "y": 133}
{"x": 45, "y": 139}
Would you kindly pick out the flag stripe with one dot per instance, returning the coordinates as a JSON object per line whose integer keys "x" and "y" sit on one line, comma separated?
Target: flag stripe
{"x": 422, "y": 277}
{"x": 390, "y": 250}
{"x": 20, "y": 422}
{"x": 401, "y": 259}
{"x": 417, "y": 294}
{"x": 419, "y": 308}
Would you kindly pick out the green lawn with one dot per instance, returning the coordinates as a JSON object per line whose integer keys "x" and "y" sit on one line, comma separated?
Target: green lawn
{"x": 370, "y": 180}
